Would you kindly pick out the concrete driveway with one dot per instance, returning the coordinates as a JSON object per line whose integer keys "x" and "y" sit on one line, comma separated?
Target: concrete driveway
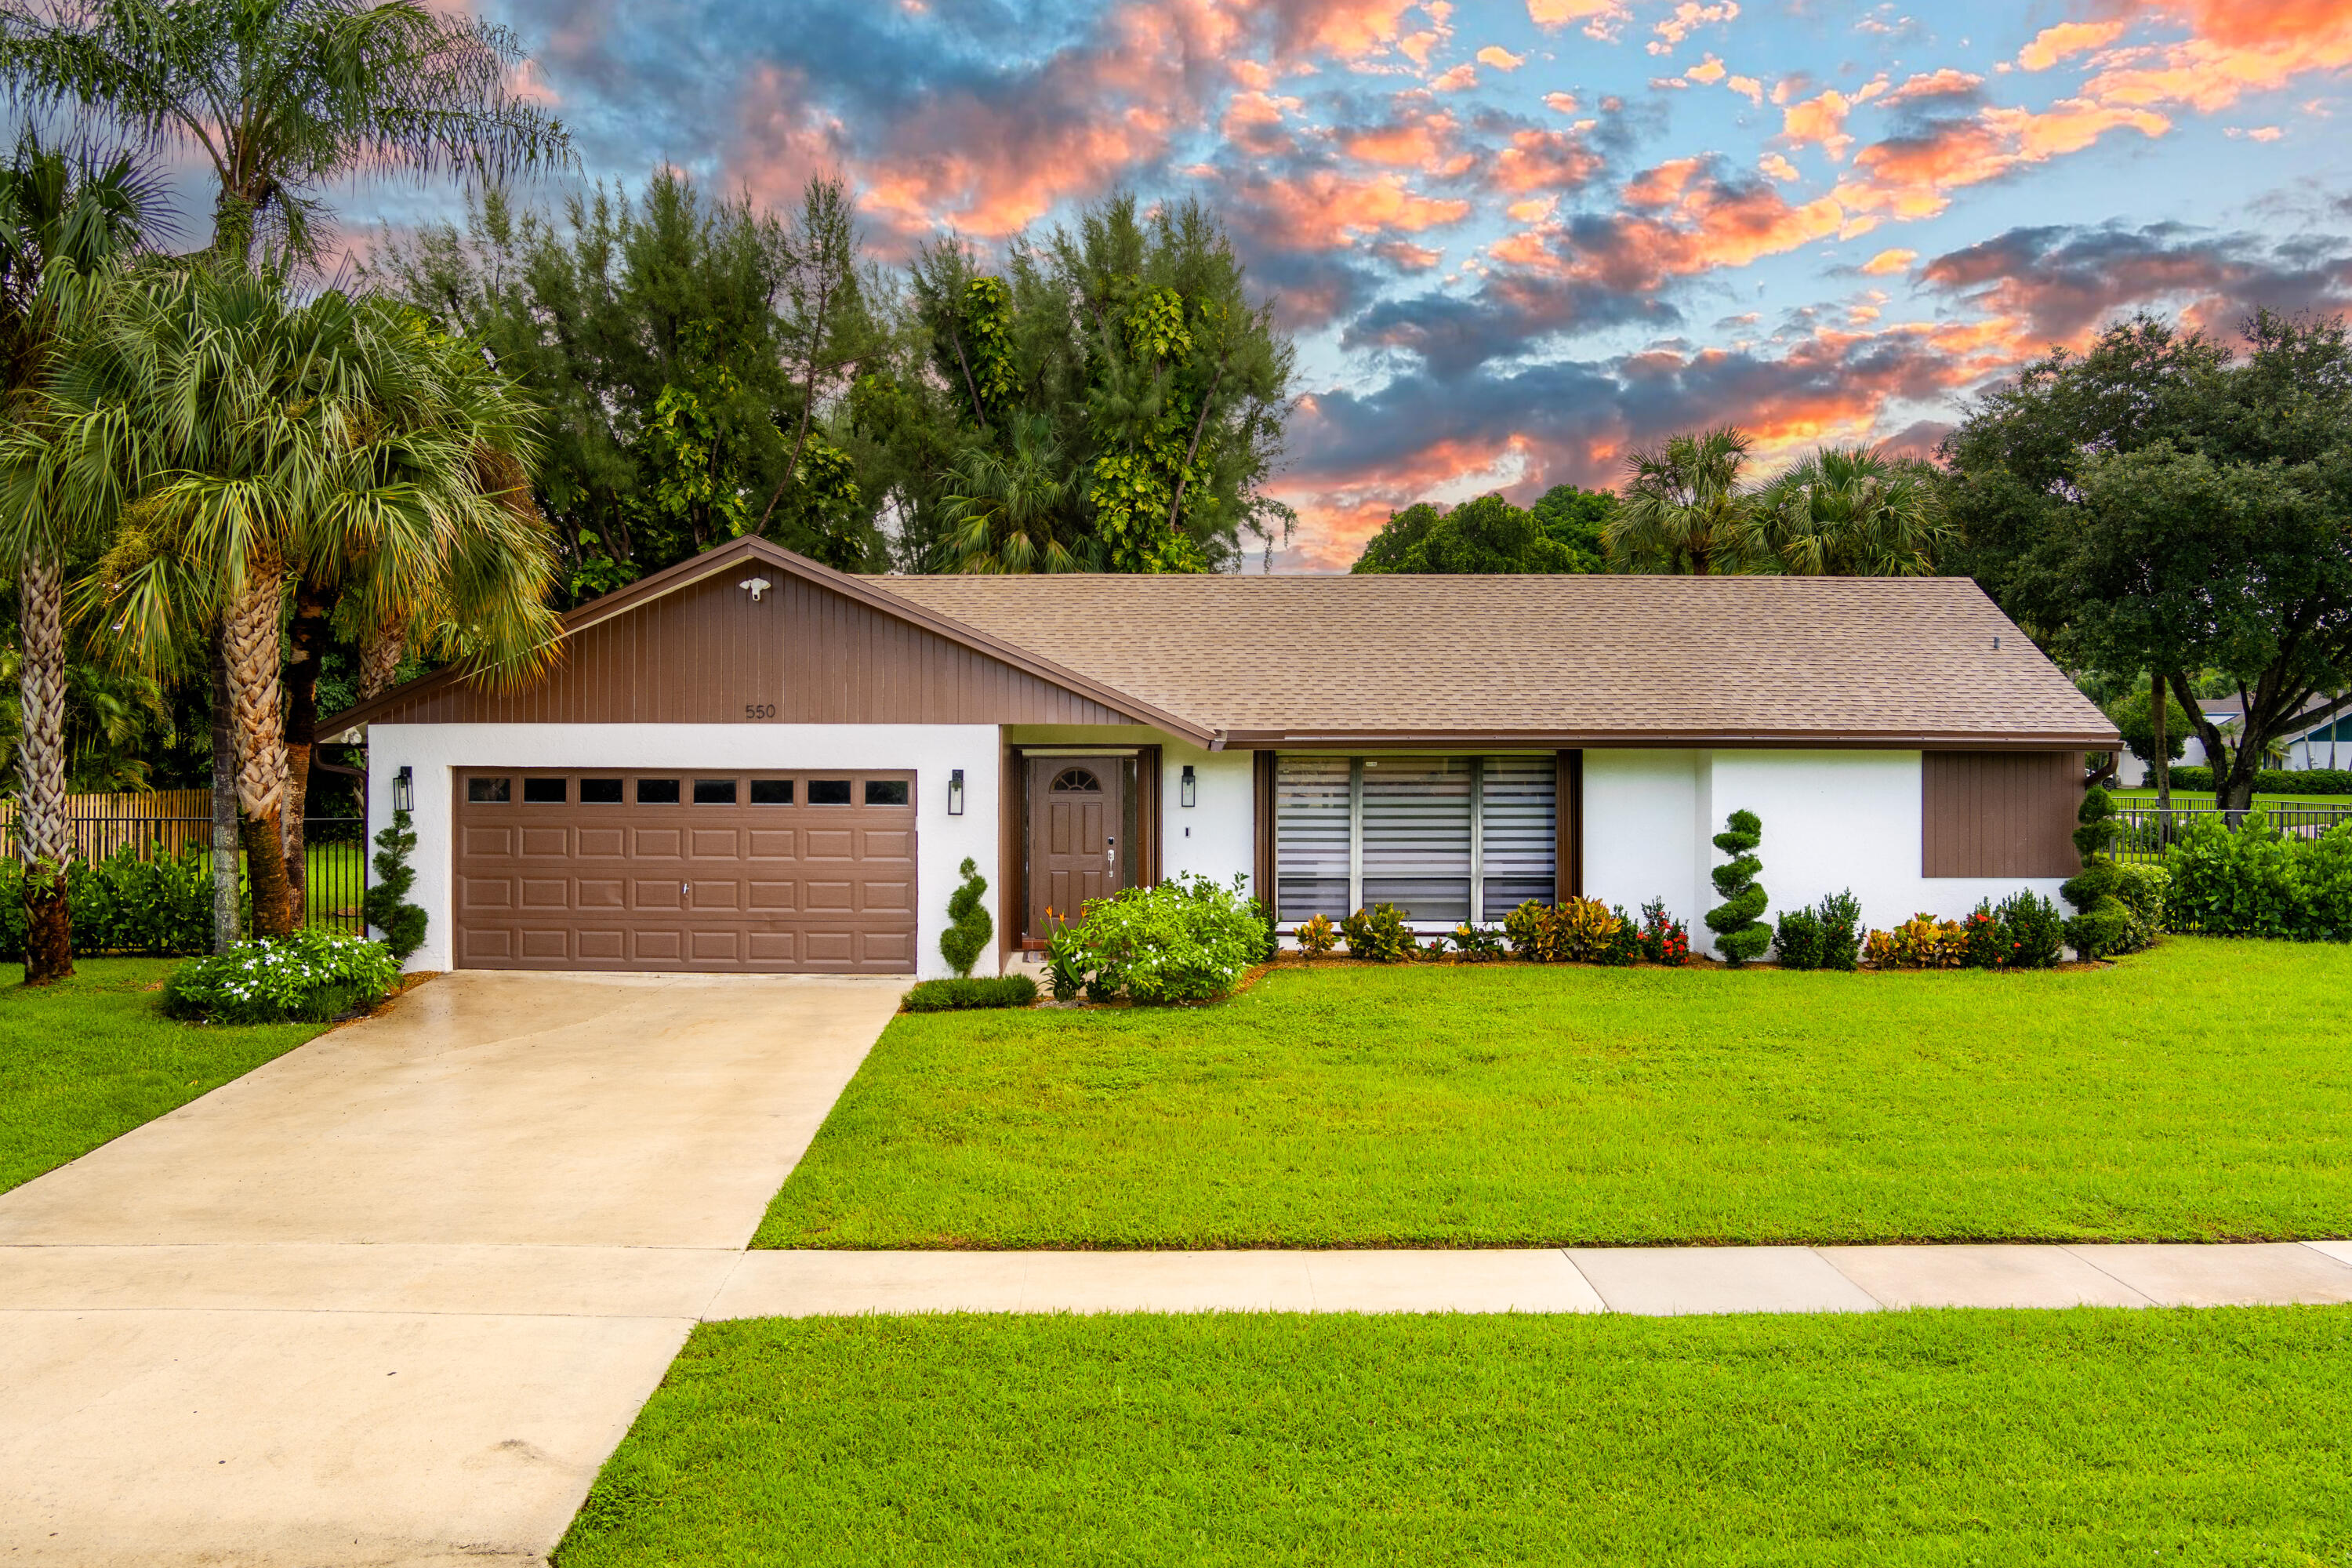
{"x": 393, "y": 1297}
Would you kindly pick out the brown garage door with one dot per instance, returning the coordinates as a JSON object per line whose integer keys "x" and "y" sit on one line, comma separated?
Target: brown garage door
{"x": 709, "y": 871}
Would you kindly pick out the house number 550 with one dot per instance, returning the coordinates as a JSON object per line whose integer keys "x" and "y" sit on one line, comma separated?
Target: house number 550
{"x": 759, "y": 711}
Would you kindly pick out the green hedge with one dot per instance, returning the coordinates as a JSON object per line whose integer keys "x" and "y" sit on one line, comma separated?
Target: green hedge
{"x": 2272, "y": 781}
{"x": 953, "y": 996}
{"x": 161, "y": 908}
{"x": 312, "y": 976}
{"x": 2258, "y": 881}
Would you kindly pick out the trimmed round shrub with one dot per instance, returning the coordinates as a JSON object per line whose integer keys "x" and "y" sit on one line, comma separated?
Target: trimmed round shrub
{"x": 309, "y": 977}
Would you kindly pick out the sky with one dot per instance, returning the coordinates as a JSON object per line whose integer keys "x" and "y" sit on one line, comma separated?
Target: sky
{"x": 1513, "y": 240}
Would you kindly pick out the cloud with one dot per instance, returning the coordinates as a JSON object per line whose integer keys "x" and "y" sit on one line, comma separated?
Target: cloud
{"x": 2056, "y": 284}
{"x": 1501, "y": 59}
{"x": 1600, "y": 19}
{"x": 2236, "y": 48}
{"x": 1462, "y": 75}
{"x": 1914, "y": 175}
{"x": 1818, "y": 121}
{"x": 1686, "y": 18}
{"x": 1889, "y": 261}
{"x": 2066, "y": 40}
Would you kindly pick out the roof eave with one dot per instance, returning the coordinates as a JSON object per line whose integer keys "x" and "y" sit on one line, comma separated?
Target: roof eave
{"x": 1838, "y": 740}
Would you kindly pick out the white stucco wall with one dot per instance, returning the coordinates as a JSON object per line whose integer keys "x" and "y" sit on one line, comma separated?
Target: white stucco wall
{"x": 1833, "y": 820}
{"x": 1216, "y": 837}
{"x": 930, "y": 750}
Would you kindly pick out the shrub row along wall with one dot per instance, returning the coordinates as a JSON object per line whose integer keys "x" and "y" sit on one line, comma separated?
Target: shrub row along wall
{"x": 2258, "y": 881}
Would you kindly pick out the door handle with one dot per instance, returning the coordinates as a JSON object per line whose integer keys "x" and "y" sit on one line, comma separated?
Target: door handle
{"x": 686, "y": 892}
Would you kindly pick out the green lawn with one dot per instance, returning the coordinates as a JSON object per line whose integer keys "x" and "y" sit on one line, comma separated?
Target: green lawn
{"x": 2086, "y": 1437}
{"x": 91, "y": 1057}
{"x": 2199, "y": 1092}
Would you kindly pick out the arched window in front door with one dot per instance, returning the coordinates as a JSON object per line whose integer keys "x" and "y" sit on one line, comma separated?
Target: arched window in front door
{"x": 1076, "y": 781}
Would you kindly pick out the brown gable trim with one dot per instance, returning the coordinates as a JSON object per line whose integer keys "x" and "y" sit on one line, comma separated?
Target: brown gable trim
{"x": 727, "y": 558}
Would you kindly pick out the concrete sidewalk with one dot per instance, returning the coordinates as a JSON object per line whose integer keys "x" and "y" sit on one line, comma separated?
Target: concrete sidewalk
{"x": 1647, "y": 1280}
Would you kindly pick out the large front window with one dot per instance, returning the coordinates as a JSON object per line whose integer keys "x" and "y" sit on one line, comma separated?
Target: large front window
{"x": 1445, "y": 838}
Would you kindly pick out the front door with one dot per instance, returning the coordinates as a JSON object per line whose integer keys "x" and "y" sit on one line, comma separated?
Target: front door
{"x": 1076, "y": 813}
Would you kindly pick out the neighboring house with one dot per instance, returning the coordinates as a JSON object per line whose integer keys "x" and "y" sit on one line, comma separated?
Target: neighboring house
{"x": 750, "y": 761}
{"x": 2323, "y": 742}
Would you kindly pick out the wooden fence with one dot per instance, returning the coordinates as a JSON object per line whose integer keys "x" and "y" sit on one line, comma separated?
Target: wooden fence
{"x": 166, "y": 820}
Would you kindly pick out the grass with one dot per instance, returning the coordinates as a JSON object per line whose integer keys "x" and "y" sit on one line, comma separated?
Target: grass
{"x": 89, "y": 1059}
{"x": 2201, "y": 1091}
{"x": 2086, "y": 1437}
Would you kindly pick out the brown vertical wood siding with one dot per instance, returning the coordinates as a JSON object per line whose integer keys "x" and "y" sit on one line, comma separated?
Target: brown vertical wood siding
{"x": 803, "y": 655}
{"x": 1262, "y": 827}
{"x": 1568, "y": 819}
{"x": 1999, "y": 814}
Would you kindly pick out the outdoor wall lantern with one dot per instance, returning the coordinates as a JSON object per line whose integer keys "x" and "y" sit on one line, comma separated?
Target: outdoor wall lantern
{"x": 1185, "y": 788}
{"x": 404, "y": 789}
{"x": 955, "y": 791}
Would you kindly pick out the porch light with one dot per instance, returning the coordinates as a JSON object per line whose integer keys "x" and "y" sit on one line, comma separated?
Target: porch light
{"x": 404, "y": 789}
{"x": 955, "y": 791}
{"x": 1185, "y": 788}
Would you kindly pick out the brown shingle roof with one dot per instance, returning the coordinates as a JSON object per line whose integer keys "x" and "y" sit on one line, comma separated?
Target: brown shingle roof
{"x": 1632, "y": 659}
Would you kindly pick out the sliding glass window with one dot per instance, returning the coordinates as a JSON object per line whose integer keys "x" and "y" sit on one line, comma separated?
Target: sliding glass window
{"x": 1439, "y": 836}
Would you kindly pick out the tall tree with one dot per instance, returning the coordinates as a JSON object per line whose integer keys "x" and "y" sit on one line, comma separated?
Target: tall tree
{"x": 2159, "y": 502}
{"x": 1488, "y": 535}
{"x": 659, "y": 331}
{"x": 285, "y": 97}
{"x": 1848, "y": 512}
{"x": 62, "y": 220}
{"x": 1685, "y": 505}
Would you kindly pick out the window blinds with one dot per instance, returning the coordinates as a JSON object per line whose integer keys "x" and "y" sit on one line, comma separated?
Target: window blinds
{"x": 1439, "y": 836}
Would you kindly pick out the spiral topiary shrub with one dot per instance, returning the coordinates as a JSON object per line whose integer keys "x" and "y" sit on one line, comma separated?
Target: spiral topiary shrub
{"x": 968, "y": 927}
{"x": 385, "y": 904}
{"x": 1740, "y": 933}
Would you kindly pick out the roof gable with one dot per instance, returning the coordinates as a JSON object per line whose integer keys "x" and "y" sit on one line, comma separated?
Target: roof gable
{"x": 690, "y": 645}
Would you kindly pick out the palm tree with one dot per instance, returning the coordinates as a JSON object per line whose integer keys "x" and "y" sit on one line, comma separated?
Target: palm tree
{"x": 1684, "y": 505}
{"x": 244, "y": 441}
{"x": 1010, "y": 511}
{"x": 284, "y": 96}
{"x": 1849, "y": 511}
{"x": 61, "y": 218}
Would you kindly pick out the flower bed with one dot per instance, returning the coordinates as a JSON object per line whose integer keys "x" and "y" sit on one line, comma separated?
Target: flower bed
{"x": 312, "y": 977}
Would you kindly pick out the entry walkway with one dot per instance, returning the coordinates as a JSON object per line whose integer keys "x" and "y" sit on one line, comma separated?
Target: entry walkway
{"x": 1649, "y": 1280}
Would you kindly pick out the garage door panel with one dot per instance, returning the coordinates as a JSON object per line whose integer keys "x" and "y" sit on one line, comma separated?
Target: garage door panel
{"x": 662, "y": 894}
{"x": 552, "y": 877}
{"x": 547, "y": 841}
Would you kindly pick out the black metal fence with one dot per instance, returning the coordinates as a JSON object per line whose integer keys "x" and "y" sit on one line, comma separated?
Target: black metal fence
{"x": 334, "y": 855}
{"x": 2148, "y": 834}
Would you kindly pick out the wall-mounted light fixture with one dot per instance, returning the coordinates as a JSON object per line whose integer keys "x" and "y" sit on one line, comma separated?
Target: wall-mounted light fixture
{"x": 955, "y": 793}
{"x": 1185, "y": 788}
{"x": 758, "y": 585}
{"x": 404, "y": 789}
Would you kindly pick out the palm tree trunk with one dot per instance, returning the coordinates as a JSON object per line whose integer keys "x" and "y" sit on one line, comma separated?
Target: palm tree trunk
{"x": 227, "y": 928}
{"x": 313, "y": 606}
{"x": 249, "y": 648}
{"x": 380, "y": 661}
{"x": 43, "y": 842}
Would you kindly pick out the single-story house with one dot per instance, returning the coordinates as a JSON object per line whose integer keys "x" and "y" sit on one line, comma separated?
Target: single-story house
{"x": 2319, "y": 738}
{"x": 750, "y": 762}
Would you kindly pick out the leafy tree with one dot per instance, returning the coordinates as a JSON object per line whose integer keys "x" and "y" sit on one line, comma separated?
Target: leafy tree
{"x": 1848, "y": 512}
{"x": 1685, "y": 505}
{"x": 1485, "y": 535}
{"x": 2159, "y": 504}
{"x": 62, "y": 219}
{"x": 2134, "y": 715}
{"x": 1578, "y": 518}
{"x": 677, "y": 343}
{"x": 1127, "y": 352}
{"x": 283, "y": 98}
